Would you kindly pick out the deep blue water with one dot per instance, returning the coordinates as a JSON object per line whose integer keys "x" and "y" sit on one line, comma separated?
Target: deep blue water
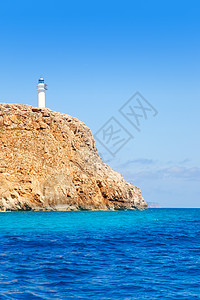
{"x": 153, "y": 254}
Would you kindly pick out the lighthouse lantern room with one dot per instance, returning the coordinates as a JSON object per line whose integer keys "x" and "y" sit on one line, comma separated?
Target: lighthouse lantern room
{"x": 41, "y": 88}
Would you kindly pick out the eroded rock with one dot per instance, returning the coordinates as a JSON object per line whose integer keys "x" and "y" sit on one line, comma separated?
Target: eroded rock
{"x": 49, "y": 161}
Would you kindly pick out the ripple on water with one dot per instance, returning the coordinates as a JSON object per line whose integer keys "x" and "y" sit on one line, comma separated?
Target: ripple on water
{"x": 102, "y": 255}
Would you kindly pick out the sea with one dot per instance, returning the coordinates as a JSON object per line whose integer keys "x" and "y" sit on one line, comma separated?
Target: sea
{"x": 152, "y": 254}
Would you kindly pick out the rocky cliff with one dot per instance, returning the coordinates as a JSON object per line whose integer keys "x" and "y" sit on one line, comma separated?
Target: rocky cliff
{"x": 49, "y": 161}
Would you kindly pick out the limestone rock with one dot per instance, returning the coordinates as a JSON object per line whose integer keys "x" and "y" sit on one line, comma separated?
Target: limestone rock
{"x": 49, "y": 161}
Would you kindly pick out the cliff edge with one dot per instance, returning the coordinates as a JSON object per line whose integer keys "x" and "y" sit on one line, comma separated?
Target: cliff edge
{"x": 49, "y": 161}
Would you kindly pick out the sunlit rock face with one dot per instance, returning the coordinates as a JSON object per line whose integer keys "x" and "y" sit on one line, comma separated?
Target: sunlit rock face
{"x": 49, "y": 161}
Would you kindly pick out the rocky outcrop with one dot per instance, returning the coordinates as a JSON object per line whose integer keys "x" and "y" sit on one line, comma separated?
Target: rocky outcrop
{"x": 49, "y": 161}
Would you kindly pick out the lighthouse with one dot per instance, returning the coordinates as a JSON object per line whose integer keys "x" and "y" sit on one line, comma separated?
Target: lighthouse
{"x": 41, "y": 88}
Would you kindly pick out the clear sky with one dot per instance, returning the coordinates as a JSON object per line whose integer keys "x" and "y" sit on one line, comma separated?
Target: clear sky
{"x": 94, "y": 55}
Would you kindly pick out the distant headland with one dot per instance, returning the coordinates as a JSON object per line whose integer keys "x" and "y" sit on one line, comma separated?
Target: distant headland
{"x": 153, "y": 205}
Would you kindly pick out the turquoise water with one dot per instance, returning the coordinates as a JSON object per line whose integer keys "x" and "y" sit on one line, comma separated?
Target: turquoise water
{"x": 153, "y": 254}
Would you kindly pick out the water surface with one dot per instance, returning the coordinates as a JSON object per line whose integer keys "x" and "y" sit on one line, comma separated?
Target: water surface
{"x": 153, "y": 254}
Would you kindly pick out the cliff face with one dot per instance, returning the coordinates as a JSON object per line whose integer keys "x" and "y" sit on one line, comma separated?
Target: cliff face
{"x": 49, "y": 160}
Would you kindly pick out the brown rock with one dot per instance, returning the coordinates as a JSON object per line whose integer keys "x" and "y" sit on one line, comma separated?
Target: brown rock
{"x": 49, "y": 161}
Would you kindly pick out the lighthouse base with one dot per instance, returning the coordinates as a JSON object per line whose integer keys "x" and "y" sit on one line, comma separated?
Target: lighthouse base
{"x": 41, "y": 99}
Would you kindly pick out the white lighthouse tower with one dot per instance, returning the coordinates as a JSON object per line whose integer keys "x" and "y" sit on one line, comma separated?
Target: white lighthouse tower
{"x": 41, "y": 92}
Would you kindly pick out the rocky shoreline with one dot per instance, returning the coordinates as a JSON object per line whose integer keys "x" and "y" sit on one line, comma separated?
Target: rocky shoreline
{"x": 49, "y": 161}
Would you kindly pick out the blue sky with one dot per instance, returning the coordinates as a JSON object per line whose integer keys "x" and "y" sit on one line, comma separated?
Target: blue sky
{"x": 94, "y": 55}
